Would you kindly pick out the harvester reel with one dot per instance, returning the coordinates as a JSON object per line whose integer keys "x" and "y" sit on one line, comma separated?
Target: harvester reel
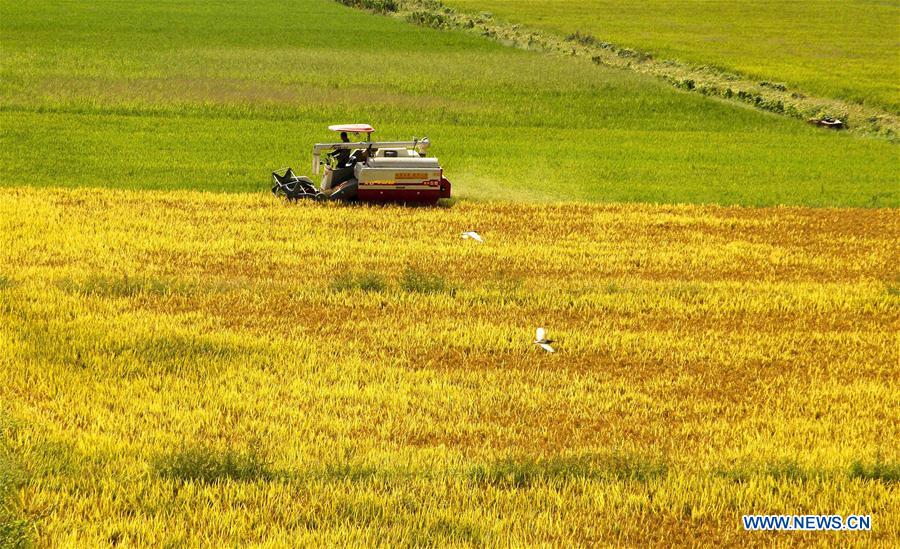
{"x": 294, "y": 187}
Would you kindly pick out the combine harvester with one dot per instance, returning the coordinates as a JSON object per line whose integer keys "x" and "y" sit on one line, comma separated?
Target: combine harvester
{"x": 368, "y": 171}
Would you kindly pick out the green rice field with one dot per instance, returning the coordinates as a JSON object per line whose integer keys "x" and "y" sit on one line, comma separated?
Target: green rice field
{"x": 214, "y": 96}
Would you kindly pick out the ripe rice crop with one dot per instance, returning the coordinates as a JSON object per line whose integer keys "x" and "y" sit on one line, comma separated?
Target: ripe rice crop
{"x": 190, "y": 368}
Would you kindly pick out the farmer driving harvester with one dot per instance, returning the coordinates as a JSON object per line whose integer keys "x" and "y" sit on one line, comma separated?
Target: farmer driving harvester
{"x": 340, "y": 174}
{"x": 341, "y": 156}
{"x": 369, "y": 171}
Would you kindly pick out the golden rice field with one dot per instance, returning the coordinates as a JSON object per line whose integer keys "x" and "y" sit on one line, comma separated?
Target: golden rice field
{"x": 191, "y": 368}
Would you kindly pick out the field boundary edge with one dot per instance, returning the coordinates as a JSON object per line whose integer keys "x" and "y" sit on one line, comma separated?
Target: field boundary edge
{"x": 774, "y": 97}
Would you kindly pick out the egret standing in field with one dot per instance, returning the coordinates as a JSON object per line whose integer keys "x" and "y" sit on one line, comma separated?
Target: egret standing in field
{"x": 473, "y": 235}
{"x": 540, "y": 339}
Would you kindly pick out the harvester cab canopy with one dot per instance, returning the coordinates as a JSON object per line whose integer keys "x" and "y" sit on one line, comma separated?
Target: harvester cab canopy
{"x": 352, "y": 128}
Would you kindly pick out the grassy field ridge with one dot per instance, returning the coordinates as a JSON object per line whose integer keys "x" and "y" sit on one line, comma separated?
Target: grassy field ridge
{"x": 707, "y": 80}
{"x": 840, "y": 50}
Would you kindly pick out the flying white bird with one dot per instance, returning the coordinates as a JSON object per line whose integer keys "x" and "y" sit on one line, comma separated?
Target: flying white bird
{"x": 473, "y": 235}
{"x": 540, "y": 339}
